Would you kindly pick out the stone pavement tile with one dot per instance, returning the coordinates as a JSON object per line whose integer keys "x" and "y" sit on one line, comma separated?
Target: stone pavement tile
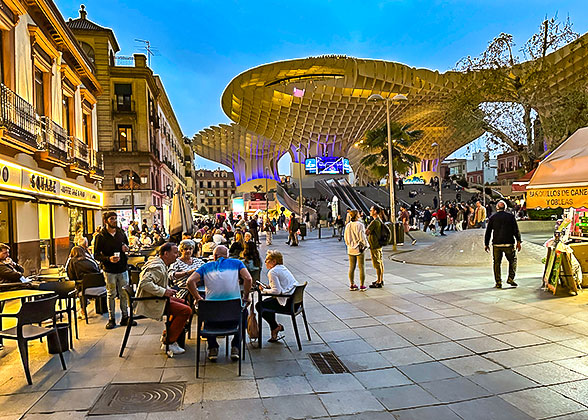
{"x": 334, "y": 383}
{"x": 271, "y": 352}
{"x": 452, "y": 329}
{"x": 423, "y": 314}
{"x": 471, "y": 320}
{"x": 429, "y": 371}
{"x": 341, "y": 335}
{"x": 484, "y": 344}
{"x": 471, "y": 365}
{"x": 542, "y": 402}
{"x": 579, "y": 365}
{"x": 293, "y": 406}
{"x": 137, "y": 375}
{"x": 406, "y": 356}
{"x": 17, "y": 404}
{"x": 577, "y": 391}
{"x": 339, "y": 403}
{"x": 280, "y": 368}
{"x": 366, "y": 361}
{"x": 556, "y": 334}
{"x": 194, "y": 393}
{"x": 407, "y": 396}
{"x": 70, "y": 415}
{"x": 418, "y": 334}
{"x": 224, "y": 371}
{"x": 580, "y": 344}
{"x": 87, "y": 363}
{"x": 362, "y": 322}
{"x": 492, "y": 408}
{"x": 382, "y": 378}
{"x": 548, "y": 373}
{"x": 502, "y": 315}
{"x": 502, "y": 381}
{"x": 366, "y": 415}
{"x": 344, "y": 348}
{"x": 494, "y": 328}
{"x": 554, "y": 351}
{"x": 66, "y": 400}
{"x": 454, "y": 389}
{"x": 389, "y": 340}
{"x": 372, "y": 331}
{"x": 393, "y": 319}
{"x": 582, "y": 415}
{"x": 250, "y": 409}
{"x": 426, "y": 413}
{"x": 328, "y": 326}
{"x": 182, "y": 374}
{"x": 527, "y": 324}
{"x": 447, "y": 350}
{"x": 230, "y": 390}
{"x": 85, "y": 379}
{"x": 515, "y": 357}
{"x": 453, "y": 312}
{"x": 520, "y": 339}
{"x": 290, "y": 385}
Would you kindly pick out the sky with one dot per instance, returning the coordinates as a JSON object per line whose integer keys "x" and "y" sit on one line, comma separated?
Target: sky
{"x": 204, "y": 44}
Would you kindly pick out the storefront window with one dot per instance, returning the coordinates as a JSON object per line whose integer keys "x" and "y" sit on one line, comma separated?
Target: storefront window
{"x": 76, "y": 222}
{"x": 5, "y": 223}
{"x": 46, "y": 235}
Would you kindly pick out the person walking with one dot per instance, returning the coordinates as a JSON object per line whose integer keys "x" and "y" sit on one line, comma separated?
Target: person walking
{"x": 374, "y": 231}
{"x": 110, "y": 248}
{"x": 268, "y": 229}
{"x": 503, "y": 228}
{"x": 405, "y": 219}
{"x": 442, "y": 218}
{"x": 357, "y": 242}
{"x": 479, "y": 215}
{"x": 293, "y": 227}
{"x": 427, "y": 216}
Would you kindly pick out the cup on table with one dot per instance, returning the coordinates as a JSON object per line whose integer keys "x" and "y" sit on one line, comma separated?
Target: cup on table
{"x": 117, "y": 254}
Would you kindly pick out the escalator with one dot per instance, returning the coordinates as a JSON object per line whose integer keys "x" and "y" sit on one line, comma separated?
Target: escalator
{"x": 292, "y": 205}
{"x": 358, "y": 200}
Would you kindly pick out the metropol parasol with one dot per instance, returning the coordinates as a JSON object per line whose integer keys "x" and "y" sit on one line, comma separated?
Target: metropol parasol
{"x": 319, "y": 105}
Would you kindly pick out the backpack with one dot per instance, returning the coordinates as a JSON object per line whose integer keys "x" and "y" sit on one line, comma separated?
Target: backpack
{"x": 385, "y": 235}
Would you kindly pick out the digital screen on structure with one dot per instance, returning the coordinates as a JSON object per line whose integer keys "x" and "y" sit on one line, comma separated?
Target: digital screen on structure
{"x": 327, "y": 165}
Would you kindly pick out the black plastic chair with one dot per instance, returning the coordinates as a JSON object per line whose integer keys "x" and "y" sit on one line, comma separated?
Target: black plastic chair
{"x": 216, "y": 311}
{"x": 128, "y": 289}
{"x": 34, "y": 312}
{"x": 92, "y": 286}
{"x": 66, "y": 292}
{"x": 294, "y": 307}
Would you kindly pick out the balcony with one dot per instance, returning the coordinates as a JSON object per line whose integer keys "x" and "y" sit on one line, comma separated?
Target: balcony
{"x": 19, "y": 126}
{"x": 125, "y": 107}
{"x": 96, "y": 166}
{"x": 79, "y": 156}
{"x": 54, "y": 145}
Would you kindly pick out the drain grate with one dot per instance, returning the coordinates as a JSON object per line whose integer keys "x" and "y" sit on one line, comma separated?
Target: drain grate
{"x": 139, "y": 398}
{"x": 328, "y": 363}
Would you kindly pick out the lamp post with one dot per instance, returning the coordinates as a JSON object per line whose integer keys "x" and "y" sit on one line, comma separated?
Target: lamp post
{"x": 266, "y": 194}
{"x": 119, "y": 181}
{"x": 299, "y": 150}
{"x": 396, "y": 98}
{"x": 439, "y": 171}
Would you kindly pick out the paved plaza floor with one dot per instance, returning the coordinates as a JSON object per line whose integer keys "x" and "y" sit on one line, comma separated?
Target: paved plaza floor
{"x": 436, "y": 342}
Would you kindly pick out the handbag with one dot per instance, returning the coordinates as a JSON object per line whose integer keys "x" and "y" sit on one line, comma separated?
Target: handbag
{"x": 361, "y": 248}
{"x": 252, "y": 326}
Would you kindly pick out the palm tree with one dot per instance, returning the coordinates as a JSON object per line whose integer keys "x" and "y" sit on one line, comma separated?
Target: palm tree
{"x": 375, "y": 145}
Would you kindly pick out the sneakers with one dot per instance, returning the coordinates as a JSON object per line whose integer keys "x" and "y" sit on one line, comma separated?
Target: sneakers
{"x": 353, "y": 287}
{"x": 376, "y": 285}
{"x": 174, "y": 348}
{"x": 125, "y": 320}
{"x": 111, "y": 324}
{"x": 234, "y": 353}
{"x": 512, "y": 283}
{"x": 213, "y": 354}
{"x": 362, "y": 288}
{"x": 498, "y": 285}
{"x": 414, "y": 241}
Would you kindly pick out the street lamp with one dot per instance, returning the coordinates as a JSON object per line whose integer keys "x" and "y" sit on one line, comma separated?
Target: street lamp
{"x": 299, "y": 149}
{"x": 439, "y": 171}
{"x": 396, "y": 98}
{"x": 266, "y": 194}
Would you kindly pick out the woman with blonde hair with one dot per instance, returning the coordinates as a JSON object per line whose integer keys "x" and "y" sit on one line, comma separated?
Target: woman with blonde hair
{"x": 357, "y": 242}
{"x": 238, "y": 245}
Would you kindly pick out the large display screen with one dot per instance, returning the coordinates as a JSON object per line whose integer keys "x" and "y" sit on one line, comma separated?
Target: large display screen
{"x": 327, "y": 165}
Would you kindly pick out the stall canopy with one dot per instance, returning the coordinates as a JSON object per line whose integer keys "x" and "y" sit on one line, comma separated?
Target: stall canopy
{"x": 181, "y": 214}
{"x": 561, "y": 179}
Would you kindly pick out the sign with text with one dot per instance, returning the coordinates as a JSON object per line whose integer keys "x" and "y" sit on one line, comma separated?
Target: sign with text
{"x": 576, "y": 197}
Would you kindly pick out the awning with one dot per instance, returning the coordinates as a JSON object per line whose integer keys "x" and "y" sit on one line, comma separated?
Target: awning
{"x": 10, "y": 194}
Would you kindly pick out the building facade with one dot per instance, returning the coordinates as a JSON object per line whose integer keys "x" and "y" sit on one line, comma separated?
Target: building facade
{"x": 215, "y": 190}
{"x": 139, "y": 137}
{"x": 481, "y": 167}
{"x": 509, "y": 168}
{"x": 49, "y": 166}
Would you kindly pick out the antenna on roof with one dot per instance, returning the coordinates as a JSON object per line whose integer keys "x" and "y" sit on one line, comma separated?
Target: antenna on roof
{"x": 151, "y": 51}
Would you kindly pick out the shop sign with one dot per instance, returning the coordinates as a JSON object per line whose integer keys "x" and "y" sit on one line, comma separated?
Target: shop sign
{"x": 19, "y": 178}
{"x": 576, "y": 197}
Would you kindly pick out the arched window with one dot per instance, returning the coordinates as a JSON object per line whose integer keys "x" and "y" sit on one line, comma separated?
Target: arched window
{"x": 87, "y": 48}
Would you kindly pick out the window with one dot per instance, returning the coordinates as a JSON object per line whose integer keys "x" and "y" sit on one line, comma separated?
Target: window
{"x": 123, "y": 97}
{"x": 209, "y": 184}
{"x": 87, "y": 48}
{"x": 67, "y": 115}
{"x": 87, "y": 128}
{"x": 125, "y": 138}
{"x": 226, "y": 202}
{"x": 1, "y": 56}
{"x": 39, "y": 92}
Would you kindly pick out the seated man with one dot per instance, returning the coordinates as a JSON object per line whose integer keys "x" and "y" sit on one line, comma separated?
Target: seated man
{"x": 221, "y": 280}
{"x": 10, "y": 271}
{"x": 153, "y": 282}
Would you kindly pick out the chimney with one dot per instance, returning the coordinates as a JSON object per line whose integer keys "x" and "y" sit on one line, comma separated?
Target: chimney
{"x": 140, "y": 60}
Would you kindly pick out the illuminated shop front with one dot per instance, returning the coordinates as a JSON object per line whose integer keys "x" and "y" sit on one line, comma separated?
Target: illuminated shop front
{"x": 40, "y": 214}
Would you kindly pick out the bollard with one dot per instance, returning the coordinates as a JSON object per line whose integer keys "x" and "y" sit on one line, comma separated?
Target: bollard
{"x": 319, "y": 233}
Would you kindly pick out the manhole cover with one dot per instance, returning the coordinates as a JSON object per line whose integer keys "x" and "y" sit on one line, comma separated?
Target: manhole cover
{"x": 328, "y": 363}
{"x": 139, "y": 398}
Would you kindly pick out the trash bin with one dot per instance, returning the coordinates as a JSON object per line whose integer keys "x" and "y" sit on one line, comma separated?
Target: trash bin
{"x": 52, "y": 344}
{"x": 399, "y": 233}
{"x": 302, "y": 230}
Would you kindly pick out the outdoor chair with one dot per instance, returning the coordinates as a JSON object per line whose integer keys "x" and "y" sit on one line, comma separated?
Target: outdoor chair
{"x": 294, "y": 307}
{"x": 128, "y": 289}
{"x": 220, "y": 311}
{"x": 34, "y": 312}
{"x": 92, "y": 286}
{"x": 66, "y": 293}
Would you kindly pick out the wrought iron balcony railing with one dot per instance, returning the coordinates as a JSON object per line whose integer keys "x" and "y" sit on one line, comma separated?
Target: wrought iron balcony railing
{"x": 78, "y": 152}
{"x": 18, "y": 117}
{"x": 54, "y": 139}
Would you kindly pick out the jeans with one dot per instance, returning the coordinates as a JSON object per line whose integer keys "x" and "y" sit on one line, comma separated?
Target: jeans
{"x": 212, "y": 343}
{"x": 378, "y": 262}
{"x": 114, "y": 284}
{"x": 353, "y": 261}
{"x": 511, "y": 256}
{"x": 180, "y": 313}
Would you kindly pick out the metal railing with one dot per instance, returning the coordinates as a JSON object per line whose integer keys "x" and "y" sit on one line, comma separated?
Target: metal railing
{"x": 125, "y": 107}
{"x": 78, "y": 152}
{"x": 18, "y": 116}
{"x": 55, "y": 138}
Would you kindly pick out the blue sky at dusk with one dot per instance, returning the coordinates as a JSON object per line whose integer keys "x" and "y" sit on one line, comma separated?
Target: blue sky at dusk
{"x": 204, "y": 44}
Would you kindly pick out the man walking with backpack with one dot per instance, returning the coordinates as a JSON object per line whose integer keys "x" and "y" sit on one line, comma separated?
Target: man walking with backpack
{"x": 375, "y": 239}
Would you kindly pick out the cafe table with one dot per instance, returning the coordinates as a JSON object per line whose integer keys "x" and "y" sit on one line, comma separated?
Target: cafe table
{"x": 23, "y": 295}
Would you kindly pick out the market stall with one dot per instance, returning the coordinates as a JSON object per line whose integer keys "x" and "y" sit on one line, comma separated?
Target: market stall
{"x": 561, "y": 181}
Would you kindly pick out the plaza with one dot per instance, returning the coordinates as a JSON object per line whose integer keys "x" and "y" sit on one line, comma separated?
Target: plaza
{"x": 436, "y": 342}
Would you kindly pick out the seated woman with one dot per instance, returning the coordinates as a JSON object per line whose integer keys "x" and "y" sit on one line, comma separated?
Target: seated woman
{"x": 80, "y": 262}
{"x": 252, "y": 261}
{"x": 238, "y": 245}
{"x": 185, "y": 265}
{"x": 208, "y": 245}
{"x": 146, "y": 240}
{"x": 218, "y": 237}
{"x": 281, "y": 282}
